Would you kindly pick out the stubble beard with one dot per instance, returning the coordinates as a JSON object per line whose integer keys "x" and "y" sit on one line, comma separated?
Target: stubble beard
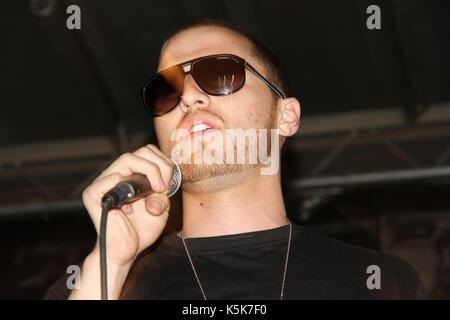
{"x": 214, "y": 177}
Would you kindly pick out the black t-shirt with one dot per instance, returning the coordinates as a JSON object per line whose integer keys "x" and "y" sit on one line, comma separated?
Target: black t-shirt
{"x": 251, "y": 266}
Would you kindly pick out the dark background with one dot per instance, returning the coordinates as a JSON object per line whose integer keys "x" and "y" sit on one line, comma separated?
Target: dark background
{"x": 370, "y": 164}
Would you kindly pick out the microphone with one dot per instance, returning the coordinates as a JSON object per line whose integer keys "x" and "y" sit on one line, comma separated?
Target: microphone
{"x": 137, "y": 186}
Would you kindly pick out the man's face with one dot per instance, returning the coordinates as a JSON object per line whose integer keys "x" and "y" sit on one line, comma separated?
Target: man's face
{"x": 253, "y": 106}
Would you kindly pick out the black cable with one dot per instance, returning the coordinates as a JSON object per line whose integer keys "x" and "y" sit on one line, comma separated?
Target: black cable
{"x": 106, "y": 205}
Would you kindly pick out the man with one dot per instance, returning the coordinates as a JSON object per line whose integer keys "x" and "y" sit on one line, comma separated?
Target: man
{"x": 236, "y": 241}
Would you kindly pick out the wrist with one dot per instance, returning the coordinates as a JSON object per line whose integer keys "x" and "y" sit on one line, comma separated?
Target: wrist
{"x": 112, "y": 264}
{"x": 116, "y": 273}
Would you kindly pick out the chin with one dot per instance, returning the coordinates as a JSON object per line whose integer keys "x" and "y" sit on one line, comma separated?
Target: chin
{"x": 212, "y": 174}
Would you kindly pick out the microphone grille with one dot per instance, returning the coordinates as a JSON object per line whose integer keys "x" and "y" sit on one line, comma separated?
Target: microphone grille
{"x": 176, "y": 180}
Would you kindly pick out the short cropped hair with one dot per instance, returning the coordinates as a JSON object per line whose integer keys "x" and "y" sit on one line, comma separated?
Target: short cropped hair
{"x": 275, "y": 73}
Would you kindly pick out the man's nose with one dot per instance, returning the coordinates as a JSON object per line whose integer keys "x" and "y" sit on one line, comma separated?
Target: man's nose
{"x": 193, "y": 97}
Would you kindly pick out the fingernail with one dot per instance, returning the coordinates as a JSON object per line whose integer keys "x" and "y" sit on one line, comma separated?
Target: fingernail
{"x": 155, "y": 204}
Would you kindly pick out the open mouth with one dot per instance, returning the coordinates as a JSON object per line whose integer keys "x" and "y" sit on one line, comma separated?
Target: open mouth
{"x": 200, "y": 129}
{"x": 200, "y": 124}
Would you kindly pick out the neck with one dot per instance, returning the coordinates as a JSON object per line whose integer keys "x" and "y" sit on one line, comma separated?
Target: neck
{"x": 249, "y": 202}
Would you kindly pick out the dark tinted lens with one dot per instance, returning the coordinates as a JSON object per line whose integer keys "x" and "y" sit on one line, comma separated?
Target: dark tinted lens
{"x": 219, "y": 75}
{"x": 162, "y": 93}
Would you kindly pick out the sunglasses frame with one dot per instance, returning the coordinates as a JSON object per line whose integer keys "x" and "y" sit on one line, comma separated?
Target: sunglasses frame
{"x": 192, "y": 62}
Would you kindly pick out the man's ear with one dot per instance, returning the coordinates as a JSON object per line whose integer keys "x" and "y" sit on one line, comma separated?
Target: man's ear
{"x": 288, "y": 118}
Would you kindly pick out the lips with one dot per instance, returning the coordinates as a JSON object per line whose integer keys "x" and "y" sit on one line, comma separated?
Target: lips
{"x": 200, "y": 123}
{"x": 198, "y": 127}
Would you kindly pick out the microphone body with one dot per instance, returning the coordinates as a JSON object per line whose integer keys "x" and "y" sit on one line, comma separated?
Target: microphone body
{"x": 136, "y": 187}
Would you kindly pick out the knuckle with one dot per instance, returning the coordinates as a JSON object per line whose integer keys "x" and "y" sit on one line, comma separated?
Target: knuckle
{"x": 116, "y": 176}
{"x": 125, "y": 157}
{"x": 154, "y": 168}
{"x": 88, "y": 194}
{"x": 85, "y": 193}
{"x": 142, "y": 149}
{"x": 167, "y": 167}
{"x": 171, "y": 165}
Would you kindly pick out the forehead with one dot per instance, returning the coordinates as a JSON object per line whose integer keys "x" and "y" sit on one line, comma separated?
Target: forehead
{"x": 203, "y": 41}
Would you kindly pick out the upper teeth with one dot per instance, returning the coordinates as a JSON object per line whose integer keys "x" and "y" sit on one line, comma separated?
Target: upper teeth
{"x": 200, "y": 127}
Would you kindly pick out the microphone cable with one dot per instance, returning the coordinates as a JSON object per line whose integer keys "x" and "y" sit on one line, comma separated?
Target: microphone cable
{"x": 106, "y": 205}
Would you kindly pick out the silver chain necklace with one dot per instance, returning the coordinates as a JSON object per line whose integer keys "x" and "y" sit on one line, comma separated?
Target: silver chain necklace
{"x": 200, "y": 284}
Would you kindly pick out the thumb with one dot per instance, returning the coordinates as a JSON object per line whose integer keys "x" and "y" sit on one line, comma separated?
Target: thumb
{"x": 157, "y": 204}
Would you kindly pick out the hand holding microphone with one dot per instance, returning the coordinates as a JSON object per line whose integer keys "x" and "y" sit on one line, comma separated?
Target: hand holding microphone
{"x": 136, "y": 225}
{"x": 136, "y": 187}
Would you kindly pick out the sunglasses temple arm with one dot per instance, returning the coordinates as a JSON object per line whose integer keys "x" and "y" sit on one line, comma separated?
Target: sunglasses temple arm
{"x": 256, "y": 73}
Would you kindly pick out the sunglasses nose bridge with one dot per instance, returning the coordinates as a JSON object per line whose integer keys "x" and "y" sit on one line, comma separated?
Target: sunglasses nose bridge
{"x": 193, "y": 96}
{"x": 187, "y": 68}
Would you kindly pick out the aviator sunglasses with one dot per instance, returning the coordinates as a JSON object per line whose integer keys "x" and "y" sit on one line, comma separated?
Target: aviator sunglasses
{"x": 216, "y": 75}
